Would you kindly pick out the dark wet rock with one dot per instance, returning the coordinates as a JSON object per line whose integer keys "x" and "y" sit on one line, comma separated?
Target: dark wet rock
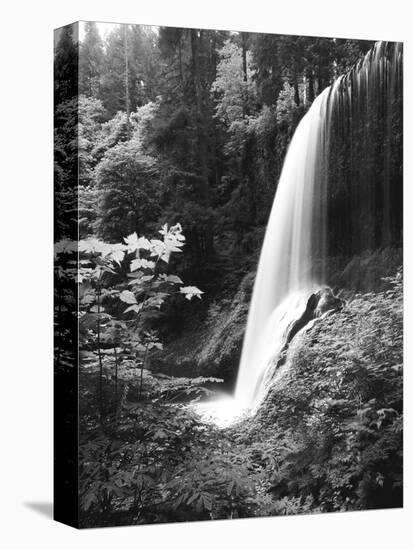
{"x": 211, "y": 346}
{"x": 321, "y": 302}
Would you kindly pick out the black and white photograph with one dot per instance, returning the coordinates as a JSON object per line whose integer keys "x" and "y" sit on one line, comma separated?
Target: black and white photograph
{"x": 228, "y": 274}
{"x": 206, "y": 275}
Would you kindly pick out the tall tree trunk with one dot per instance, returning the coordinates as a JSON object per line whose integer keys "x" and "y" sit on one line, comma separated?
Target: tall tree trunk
{"x": 116, "y": 378}
{"x": 245, "y": 110}
{"x": 101, "y": 411}
{"x": 320, "y": 77}
{"x": 181, "y": 71}
{"x": 216, "y": 144}
{"x": 310, "y": 86}
{"x": 141, "y": 376}
{"x": 127, "y": 94}
{"x": 296, "y": 92}
{"x": 246, "y": 159}
{"x": 196, "y": 42}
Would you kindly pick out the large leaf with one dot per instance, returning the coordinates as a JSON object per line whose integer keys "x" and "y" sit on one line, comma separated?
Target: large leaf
{"x": 135, "y": 307}
{"x": 128, "y": 297}
{"x": 141, "y": 263}
{"x": 175, "y": 279}
{"x": 190, "y": 292}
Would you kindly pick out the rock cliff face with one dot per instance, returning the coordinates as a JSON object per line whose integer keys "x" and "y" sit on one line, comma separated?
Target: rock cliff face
{"x": 212, "y": 345}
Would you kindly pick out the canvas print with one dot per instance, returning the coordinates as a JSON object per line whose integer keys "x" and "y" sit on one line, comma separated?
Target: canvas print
{"x": 228, "y": 274}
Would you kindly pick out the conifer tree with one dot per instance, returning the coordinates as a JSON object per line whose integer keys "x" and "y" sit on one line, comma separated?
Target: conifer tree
{"x": 90, "y": 61}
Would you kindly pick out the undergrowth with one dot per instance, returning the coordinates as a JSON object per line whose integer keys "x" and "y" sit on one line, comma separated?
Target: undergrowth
{"x": 328, "y": 436}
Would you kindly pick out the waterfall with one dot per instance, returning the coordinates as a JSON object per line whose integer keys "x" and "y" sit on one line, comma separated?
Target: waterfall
{"x": 285, "y": 275}
{"x": 349, "y": 125}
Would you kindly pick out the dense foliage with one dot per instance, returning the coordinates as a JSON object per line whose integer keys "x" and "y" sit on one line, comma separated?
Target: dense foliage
{"x": 192, "y": 126}
{"x": 327, "y": 438}
{"x": 330, "y": 430}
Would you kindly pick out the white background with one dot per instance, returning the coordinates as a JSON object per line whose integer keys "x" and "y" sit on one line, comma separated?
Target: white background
{"x": 26, "y": 271}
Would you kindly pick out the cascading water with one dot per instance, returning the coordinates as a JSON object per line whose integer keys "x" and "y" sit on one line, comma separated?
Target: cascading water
{"x": 285, "y": 275}
{"x": 296, "y": 245}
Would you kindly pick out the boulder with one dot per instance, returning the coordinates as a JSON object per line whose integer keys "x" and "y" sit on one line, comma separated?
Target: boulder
{"x": 320, "y": 303}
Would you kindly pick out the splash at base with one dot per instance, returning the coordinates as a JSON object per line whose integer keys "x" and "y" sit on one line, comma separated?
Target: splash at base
{"x": 227, "y": 410}
{"x": 221, "y": 412}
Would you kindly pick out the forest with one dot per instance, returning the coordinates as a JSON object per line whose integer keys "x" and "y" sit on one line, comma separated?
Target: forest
{"x": 169, "y": 146}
